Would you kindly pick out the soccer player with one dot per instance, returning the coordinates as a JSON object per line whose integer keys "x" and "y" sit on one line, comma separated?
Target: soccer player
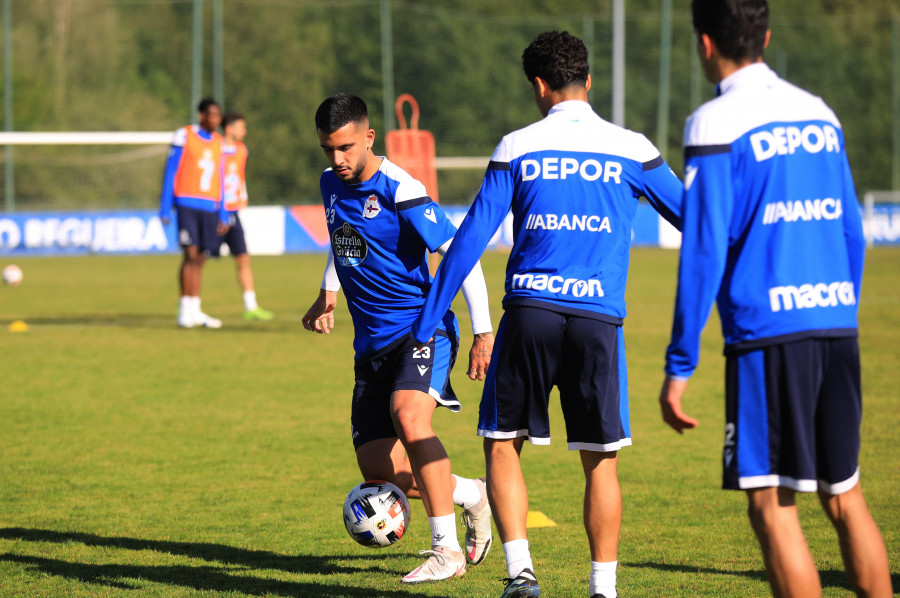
{"x": 193, "y": 184}
{"x": 572, "y": 181}
{"x": 382, "y": 225}
{"x": 772, "y": 231}
{"x": 234, "y": 128}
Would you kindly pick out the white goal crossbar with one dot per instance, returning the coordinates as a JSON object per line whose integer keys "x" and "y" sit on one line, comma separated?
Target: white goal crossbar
{"x": 87, "y": 138}
{"x": 165, "y": 138}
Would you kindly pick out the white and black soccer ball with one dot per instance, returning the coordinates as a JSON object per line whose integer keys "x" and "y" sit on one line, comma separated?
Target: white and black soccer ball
{"x": 12, "y": 275}
{"x": 376, "y": 513}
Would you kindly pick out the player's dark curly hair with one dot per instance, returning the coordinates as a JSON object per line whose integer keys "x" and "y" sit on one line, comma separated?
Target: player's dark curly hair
{"x": 340, "y": 109}
{"x": 737, "y": 26}
{"x": 205, "y": 104}
{"x": 560, "y": 59}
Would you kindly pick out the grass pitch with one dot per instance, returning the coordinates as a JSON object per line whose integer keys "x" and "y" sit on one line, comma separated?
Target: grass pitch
{"x": 137, "y": 459}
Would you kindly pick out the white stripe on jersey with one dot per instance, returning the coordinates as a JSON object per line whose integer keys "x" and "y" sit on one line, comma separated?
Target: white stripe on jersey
{"x": 755, "y": 96}
{"x": 408, "y": 187}
{"x": 573, "y": 126}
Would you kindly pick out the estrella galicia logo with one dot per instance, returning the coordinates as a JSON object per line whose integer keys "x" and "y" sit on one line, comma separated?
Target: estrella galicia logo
{"x": 350, "y": 248}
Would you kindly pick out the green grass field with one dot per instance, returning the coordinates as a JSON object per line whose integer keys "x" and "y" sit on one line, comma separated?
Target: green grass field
{"x": 137, "y": 459}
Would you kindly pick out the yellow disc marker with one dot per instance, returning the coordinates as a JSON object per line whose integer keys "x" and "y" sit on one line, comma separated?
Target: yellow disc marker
{"x": 538, "y": 519}
{"x": 18, "y": 326}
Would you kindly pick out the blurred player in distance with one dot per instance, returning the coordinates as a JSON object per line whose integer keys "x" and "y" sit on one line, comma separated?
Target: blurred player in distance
{"x": 382, "y": 225}
{"x": 785, "y": 264}
{"x": 234, "y": 128}
{"x": 572, "y": 181}
{"x": 192, "y": 183}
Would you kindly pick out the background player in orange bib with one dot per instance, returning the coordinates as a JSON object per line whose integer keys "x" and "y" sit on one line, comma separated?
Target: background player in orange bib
{"x": 234, "y": 128}
{"x": 192, "y": 183}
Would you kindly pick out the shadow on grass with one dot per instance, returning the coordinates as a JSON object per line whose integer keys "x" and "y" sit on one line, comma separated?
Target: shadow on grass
{"x": 206, "y": 577}
{"x": 830, "y": 578}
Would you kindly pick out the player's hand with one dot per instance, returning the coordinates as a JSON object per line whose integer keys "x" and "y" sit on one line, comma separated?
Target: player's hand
{"x": 480, "y": 355}
{"x": 320, "y": 316}
{"x": 419, "y": 345}
{"x": 670, "y": 403}
{"x": 222, "y": 228}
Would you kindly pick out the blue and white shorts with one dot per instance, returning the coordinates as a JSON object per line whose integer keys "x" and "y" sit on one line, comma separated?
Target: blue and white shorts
{"x": 793, "y": 413}
{"x": 234, "y": 238}
{"x": 197, "y": 227}
{"x": 400, "y": 366}
{"x": 537, "y": 349}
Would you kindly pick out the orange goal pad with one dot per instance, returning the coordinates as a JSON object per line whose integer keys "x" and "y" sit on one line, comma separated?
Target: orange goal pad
{"x": 412, "y": 149}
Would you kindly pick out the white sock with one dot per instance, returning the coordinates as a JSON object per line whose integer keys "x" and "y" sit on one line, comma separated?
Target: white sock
{"x": 443, "y": 532}
{"x": 185, "y": 306}
{"x": 466, "y": 493}
{"x": 250, "y": 300}
{"x": 603, "y": 579}
{"x": 196, "y": 305}
{"x": 518, "y": 557}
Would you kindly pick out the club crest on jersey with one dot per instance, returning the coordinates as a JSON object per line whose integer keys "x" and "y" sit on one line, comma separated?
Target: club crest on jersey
{"x": 372, "y": 207}
{"x": 350, "y": 248}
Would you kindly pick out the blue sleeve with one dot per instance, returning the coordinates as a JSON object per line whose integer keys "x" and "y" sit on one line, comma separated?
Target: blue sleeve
{"x": 484, "y": 218}
{"x": 664, "y": 190}
{"x": 853, "y": 230}
{"x": 168, "y": 185}
{"x": 429, "y": 221}
{"x": 706, "y": 218}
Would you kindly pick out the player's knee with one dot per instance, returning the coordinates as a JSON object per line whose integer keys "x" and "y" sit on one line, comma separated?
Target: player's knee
{"x": 766, "y": 507}
{"x": 411, "y": 426}
{"x": 840, "y": 507}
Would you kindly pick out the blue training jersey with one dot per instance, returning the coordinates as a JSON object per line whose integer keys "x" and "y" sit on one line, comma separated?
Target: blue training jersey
{"x": 772, "y": 228}
{"x": 381, "y": 231}
{"x": 572, "y": 181}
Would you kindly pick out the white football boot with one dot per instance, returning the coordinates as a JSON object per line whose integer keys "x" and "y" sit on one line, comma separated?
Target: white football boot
{"x": 442, "y": 563}
{"x": 477, "y": 520}
{"x": 207, "y": 321}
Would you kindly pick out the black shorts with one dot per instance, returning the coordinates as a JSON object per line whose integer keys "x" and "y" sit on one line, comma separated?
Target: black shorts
{"x": 537, "y": 349}
{"x": 197, "y": 227}
{"x": 793, "y": 413}
{"x": 234, "y": 238}
{"x": 400, "y": 366}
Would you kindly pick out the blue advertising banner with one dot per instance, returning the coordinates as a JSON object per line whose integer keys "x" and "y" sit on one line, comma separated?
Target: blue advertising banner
{"x": 81, "y": 233}
{"x": 275, "y": 230}
{"x": 882, "y": 224}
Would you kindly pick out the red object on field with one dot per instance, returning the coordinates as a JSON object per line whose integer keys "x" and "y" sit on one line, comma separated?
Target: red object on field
{"x": 412, "y": 149}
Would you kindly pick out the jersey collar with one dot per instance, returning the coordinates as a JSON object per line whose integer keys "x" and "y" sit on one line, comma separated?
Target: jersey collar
{"x": 570, "y": 106}
{"x": 756, "y": 74}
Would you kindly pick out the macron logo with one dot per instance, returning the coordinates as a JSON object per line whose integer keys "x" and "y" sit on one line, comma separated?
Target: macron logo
{"x": 422, "y": 369}
{"x": 429, "y": 213}
{"x": 689, "y": 173}
{"x": 812, "y": 295}
{"x": 558, "y": 285}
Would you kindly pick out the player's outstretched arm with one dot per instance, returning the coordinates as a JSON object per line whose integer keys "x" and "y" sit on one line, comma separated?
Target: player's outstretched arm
{"x": 320, "y": 316}
{"x": 480, "y": 355}
{"x": 670, "y": 403}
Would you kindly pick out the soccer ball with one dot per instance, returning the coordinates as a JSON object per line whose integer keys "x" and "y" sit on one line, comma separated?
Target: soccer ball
{"x": 12, "y": 275}
{"x": 376, "y": 513}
